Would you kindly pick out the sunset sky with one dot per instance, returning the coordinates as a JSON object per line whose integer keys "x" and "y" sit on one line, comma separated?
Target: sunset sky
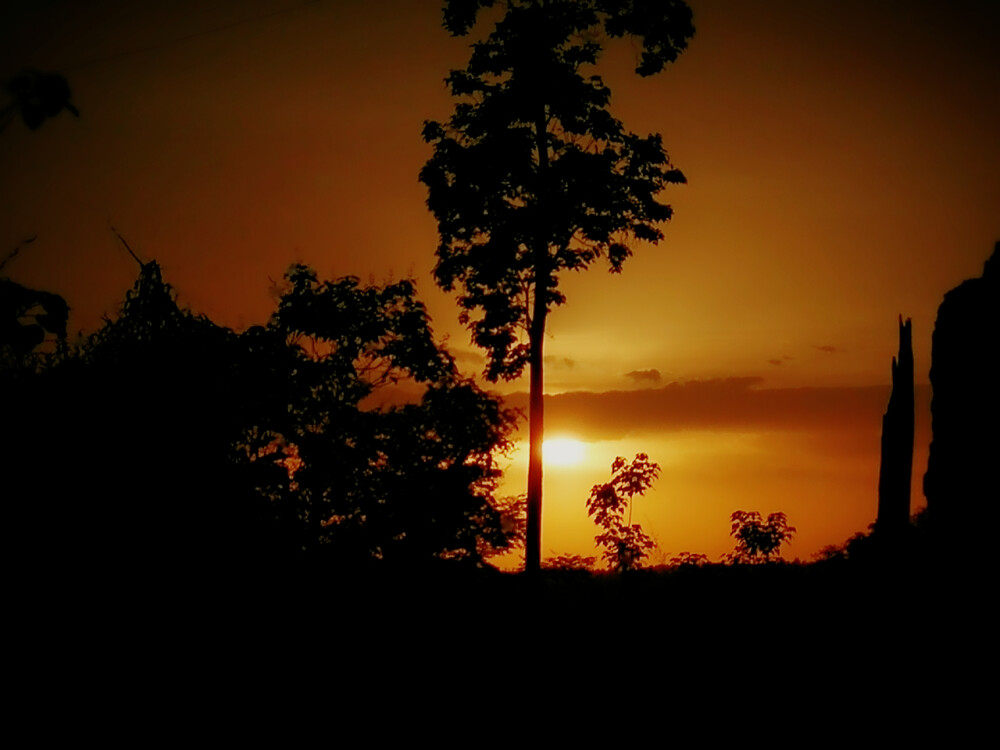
{"x": 843, "y": 168}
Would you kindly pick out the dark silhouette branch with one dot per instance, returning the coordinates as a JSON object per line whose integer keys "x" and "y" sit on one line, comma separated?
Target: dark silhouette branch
{"x": 130, "y": 252}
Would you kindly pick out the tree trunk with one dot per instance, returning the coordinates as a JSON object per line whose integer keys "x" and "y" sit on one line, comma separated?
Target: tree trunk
{"x": 536, "y": 421}
{"x": 536, "y": 336}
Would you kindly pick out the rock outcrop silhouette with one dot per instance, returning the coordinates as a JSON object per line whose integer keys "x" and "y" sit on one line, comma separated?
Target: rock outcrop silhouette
{"x": 961, "y": 482}
{"x": 897, "y": 442}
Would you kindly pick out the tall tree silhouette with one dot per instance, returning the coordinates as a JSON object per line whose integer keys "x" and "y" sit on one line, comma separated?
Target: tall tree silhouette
{"x": 533, "y": 176}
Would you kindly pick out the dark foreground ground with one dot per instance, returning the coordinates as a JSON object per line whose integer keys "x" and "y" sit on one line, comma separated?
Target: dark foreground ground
{"x": 798, "y": 629}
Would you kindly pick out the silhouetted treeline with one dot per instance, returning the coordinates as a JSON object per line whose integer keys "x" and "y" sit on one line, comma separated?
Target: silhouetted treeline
{"x": 168, "y": 446}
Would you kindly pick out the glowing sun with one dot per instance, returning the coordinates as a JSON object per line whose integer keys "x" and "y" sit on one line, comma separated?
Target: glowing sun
{"x": 562, "y": 452}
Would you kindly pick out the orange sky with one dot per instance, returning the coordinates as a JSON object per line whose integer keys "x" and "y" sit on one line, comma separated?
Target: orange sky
{"x": 842, "y": 164}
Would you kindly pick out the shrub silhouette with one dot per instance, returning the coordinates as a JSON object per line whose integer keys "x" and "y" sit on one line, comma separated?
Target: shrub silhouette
{"x": 757, "y": 540}
{"x": 625, "y": 544}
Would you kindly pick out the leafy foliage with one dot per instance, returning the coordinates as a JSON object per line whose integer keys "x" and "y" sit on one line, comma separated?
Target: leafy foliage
{"x": 138, "y": 420}
{"x": 403, "y": 481}
{"x": 757, "y": 540}
{"x": 339, "y": 431}
{"x": 689, "y": 560}
{"x": 152, "y": 330}
{"x": 625, "y": 544}
{"x": 532, "y": 175}
{"x": 569, "y": 563}
{"x": 513, "y": 511}
{"x": 26, "y": 317}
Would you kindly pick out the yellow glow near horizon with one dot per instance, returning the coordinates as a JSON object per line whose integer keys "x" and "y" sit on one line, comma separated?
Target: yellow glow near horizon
{"x": 562, "y": 452}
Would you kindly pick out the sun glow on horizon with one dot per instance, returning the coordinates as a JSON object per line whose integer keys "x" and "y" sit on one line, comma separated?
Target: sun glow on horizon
{"x": 562, "y": 451}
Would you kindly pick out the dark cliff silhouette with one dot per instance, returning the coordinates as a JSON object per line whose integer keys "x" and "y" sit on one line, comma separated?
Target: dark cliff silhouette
{"x": 897, "y": 442}
{"x": 961, "y": 481}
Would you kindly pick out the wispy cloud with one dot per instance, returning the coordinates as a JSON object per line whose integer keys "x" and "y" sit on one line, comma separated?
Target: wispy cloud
{"x": 560, "y": 362}
{"x": 723, "y": 404}
{"x": 644, "y": 376}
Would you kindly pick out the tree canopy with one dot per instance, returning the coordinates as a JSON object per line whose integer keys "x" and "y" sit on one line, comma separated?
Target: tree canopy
{"x": 532, "y": 175}
{"x": 405, "y": 481}
{"x": 339, "y": 432}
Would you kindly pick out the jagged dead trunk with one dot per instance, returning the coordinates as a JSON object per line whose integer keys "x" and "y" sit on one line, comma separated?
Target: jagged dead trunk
{"x": 897, "y": 442}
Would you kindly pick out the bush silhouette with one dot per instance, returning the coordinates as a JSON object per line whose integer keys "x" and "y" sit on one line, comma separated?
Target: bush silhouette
{"x": 757, "y": 540}
{"x": 625, "y": 544}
